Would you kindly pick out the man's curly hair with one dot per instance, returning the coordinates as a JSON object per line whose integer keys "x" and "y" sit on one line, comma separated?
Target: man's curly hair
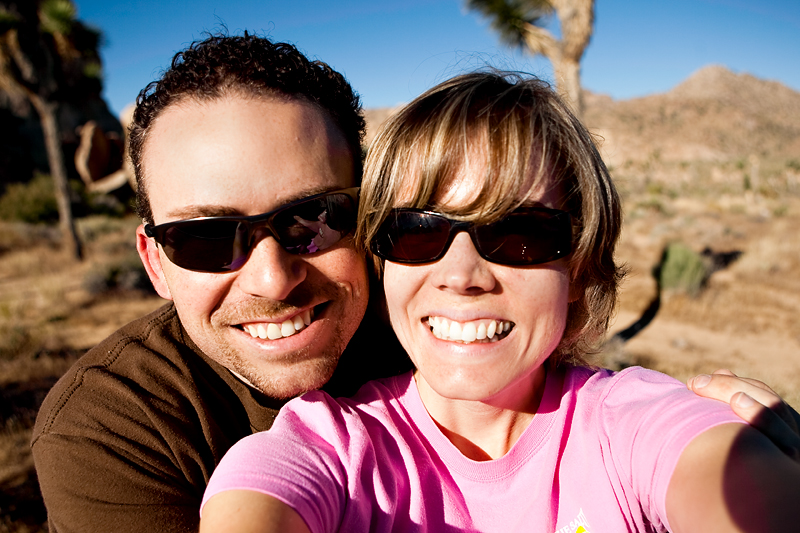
{"x": 223, "y": 64}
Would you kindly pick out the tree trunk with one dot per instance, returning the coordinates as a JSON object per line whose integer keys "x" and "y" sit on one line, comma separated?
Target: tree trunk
{"x": 566, "y": 70}
{"x": 48, "y": 113}
{"x": 576, "y": 18}
{"x": 568, "y": 73}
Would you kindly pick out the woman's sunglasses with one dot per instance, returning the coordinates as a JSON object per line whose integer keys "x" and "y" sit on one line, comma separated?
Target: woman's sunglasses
{"x": 526, "y": 236}
{"x": 221, "y": 244}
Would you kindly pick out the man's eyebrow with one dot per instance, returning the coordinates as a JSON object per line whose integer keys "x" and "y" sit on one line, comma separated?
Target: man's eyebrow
{"x": 198, "y": 211}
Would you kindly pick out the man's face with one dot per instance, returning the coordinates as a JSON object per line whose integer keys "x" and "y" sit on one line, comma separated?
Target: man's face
{"x": 239, "y": 155}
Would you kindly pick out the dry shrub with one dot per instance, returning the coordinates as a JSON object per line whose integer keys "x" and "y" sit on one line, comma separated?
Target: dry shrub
{"x": 682, "y": 269}
{"x": 31, "y": 202}
{"x": 15, "y": 236}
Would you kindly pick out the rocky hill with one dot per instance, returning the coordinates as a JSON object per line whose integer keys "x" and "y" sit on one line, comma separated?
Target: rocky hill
{"x": 714, "y": 116}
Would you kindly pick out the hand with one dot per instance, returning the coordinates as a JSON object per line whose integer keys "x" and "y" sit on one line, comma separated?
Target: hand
{"x": 757, "y": 404}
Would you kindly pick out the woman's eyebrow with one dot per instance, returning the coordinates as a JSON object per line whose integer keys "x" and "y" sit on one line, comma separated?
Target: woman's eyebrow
{"x": 532, "y": 203}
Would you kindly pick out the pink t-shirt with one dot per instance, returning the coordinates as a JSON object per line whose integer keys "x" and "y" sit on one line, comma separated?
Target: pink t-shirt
{"x": 597, "y": 457}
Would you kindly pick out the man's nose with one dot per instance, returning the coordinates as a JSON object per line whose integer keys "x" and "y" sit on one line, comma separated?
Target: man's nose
{"x": 462, "y": 269}
{"x": 270, "y": 271}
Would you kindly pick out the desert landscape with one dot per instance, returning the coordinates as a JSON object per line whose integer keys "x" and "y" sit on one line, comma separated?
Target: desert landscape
{"x": 712, "y": 165}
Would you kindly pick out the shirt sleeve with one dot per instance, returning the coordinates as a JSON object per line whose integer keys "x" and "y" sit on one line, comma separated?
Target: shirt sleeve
{"x": 103, "y": 466}
{"x": 95, "y": 486}
{"x": 648, "y": 419}
{"x": 297, "y": 461}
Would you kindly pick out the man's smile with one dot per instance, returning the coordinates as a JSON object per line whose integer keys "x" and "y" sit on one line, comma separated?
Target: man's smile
{"x": 279, "y": 330}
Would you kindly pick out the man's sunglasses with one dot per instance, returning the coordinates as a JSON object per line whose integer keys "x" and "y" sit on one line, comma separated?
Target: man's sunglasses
{"x": 220, "y": 244}
{"x": 526, "y": 236}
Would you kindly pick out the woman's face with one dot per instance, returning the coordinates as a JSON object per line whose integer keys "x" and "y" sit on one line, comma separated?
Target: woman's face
{"x": 460, "y": 295}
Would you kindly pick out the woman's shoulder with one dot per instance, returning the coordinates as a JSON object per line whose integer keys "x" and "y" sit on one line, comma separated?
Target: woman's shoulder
{"x": 374, "y": 393}
{"x": 637, "y": 393}
{"x": 621, "y": 394}
{"x": 630, "y": 381}
{"x": 317, "y": 411}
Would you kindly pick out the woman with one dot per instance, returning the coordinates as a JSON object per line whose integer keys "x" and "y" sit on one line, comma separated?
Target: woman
{"x": 493, "y": 223}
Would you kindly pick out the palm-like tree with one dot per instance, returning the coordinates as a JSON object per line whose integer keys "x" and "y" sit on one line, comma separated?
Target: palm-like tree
{"x": 46, "y": 56}
{"x": 520, "y": 24}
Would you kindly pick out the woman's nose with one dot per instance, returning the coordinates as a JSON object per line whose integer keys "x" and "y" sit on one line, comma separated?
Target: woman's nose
{"x": 462, "y": 269}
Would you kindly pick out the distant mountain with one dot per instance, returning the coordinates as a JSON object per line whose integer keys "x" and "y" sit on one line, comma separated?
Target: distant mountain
{"x": 714, "y": 115}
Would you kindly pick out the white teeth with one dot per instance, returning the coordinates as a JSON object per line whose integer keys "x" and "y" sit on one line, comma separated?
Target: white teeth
{"x": 455, "y": 330}
{"x": 287, "y": 328}
{"x": 479, "y": 330}
{"x": 273, "y": 331}
{"x": 469, "y": 332}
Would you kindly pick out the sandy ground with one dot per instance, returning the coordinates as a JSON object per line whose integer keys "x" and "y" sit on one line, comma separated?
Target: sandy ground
{"x": 747, "y": 319}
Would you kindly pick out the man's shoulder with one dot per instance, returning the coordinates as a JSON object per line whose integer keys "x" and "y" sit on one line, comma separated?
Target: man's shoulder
{"x": 157, "y": 332}
{"x": 156, "y": 336}
{"x": 147, "y": 358}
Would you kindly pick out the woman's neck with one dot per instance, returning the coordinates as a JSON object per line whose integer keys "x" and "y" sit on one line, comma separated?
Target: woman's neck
{"x": 487, "y": 429}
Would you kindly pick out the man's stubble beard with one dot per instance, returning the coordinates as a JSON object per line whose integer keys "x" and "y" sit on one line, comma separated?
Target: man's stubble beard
{"x": 296, "y": 372}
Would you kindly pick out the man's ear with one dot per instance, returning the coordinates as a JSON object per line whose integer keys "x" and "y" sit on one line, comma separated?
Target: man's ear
{"x": 151, "y": 259}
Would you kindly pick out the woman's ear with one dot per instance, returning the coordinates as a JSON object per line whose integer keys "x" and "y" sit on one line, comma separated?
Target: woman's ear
{"x": 151, "y": 259}
{"x": 577, "y": 289}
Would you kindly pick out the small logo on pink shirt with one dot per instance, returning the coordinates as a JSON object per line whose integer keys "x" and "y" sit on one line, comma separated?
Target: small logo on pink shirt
{"x": 579, "y": 525}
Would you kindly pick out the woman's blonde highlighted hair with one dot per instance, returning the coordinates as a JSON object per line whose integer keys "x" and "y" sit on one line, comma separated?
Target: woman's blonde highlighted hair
{"x": 522, "y": 133}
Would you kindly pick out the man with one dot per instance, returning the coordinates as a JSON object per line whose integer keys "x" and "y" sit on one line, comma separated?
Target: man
{"x": 261, "y": 308}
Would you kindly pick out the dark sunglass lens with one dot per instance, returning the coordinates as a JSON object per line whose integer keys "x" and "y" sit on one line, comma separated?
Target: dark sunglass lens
{"x": 527, "y": 238}
{"x": 205, "y": 245}
{"x": 315, "y": 224}
{"x": 411, "y": 237}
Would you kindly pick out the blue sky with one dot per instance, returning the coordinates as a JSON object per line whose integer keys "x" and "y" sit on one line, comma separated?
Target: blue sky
{"x": 392, "y": 50}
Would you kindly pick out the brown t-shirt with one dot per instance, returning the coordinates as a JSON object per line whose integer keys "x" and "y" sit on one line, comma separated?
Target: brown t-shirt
{"x": 128, "y": 438}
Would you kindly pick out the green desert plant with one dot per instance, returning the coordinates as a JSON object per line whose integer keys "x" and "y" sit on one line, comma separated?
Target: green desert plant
{"x": 681, "y": 269}
{"x": 31, "y": 202}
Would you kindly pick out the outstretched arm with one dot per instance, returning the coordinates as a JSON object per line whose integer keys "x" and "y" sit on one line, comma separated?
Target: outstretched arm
{"x": 248, "y": 511}
{"x": 732, "y": 478}
{"x": 756, "y": 403}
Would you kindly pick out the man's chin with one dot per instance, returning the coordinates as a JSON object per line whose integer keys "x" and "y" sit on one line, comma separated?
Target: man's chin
{"x": 292, "y": 381}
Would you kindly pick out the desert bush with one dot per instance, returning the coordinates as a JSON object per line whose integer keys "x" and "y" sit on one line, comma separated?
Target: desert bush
{"x": 93, "y": 227}
{"x": 681, "y": 269}
{"x": 21, "y": 236}
{"x": 16, "y": 341}
{"x": 652, "y": 204}
{"x": 125, "y": 275}
{"x": 30, "y": 202}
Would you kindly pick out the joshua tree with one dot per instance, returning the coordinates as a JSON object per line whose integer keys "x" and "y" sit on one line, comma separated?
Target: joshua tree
{"x": 46, "y": 56}
{"x": 519, "y": 23}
